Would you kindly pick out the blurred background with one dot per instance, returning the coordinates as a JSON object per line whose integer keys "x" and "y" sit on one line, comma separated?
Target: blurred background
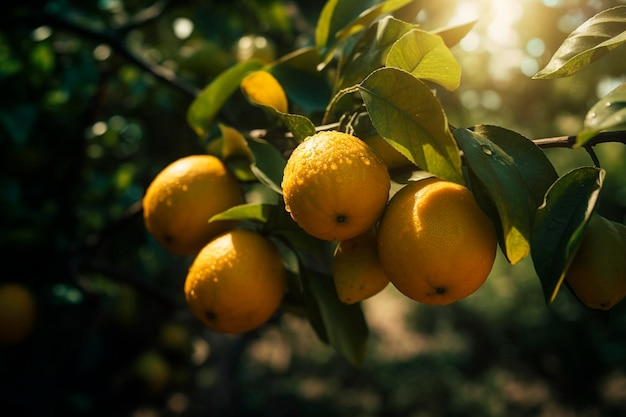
{"x": 85, "y": 126}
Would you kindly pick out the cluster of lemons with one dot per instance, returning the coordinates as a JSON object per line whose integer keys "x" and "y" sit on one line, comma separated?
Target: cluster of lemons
{"x": 430, "y": 240}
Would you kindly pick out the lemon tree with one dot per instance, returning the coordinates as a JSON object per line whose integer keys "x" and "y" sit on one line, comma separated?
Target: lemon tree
{"x": 356, "y": 115}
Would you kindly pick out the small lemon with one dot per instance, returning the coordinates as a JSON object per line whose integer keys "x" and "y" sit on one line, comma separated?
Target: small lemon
{"x": 357, "y": 271}
{"x": 17, "y": 313}
{"x": 597, "y": 274}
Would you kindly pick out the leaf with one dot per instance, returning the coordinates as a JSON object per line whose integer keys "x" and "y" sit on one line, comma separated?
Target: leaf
{"x": 370, "y": 52}
{"x": 262, "y": 88}
{"x": 408, "y": 115}
{"x": 203, "y": 110}
{"x": 426, "y": 56}
{"x": 305, "y": 86}
{"x": 341, "y": 325}
{"x": 268, "y": 164}
{"x": 340, "y": 19}
{"x": 369, "y": 16}
{"x": 534, "y": 166}
{"x": 592, "y": 40}
{"x": 560, "y": 223}
{"x": 607, "y": 114}
{"x": 452, "y": 35}
{"x": 252, "y": 211}
{"x": 506, "y": 189}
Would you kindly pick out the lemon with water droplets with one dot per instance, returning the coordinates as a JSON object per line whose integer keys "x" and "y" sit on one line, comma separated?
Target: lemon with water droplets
{"x": 183, "y": 197}
{"x": 335, "y": 186}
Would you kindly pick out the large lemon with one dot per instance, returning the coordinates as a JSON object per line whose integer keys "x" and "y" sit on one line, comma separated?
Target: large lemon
{"x": 335, "y": 186}
{"x": 183, "y": 197}
{"x": 435, "y": 243}
{"x": 236, "y": 282}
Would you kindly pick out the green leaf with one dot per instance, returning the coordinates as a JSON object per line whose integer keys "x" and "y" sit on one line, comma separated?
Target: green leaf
{"x": 408, "y": 115}
{"x": 207, "y": 105}
{"x": 502, "y": 183}
{"x": 592, "y": 40}
{"x": 342, "y": 18}
{"x": 426, "y": 56}
{"x": 560, "y": 223}
{"x": 370, "y": 52}
{"x": 268, "y": 164}
{"x": 252, "y": 211}
{"x": 534, "y": 166}
{"x": 607, "y": 114}
{"x": 369, "y": 16}
{"x": 341, "y": 325}
{"x": 452, "y": 35}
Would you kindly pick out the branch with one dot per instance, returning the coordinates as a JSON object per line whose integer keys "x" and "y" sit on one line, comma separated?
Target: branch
{"x": 114, "y": 39}
{"x": 570, "y": 141}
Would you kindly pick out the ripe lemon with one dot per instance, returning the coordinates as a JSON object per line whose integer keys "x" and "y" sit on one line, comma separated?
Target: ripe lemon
{"x": 435, "y": 243}
{"x": 236, "y": 282}
{"x": 17, "y": 313}
{"x": 597, "y": 274}
{"x": 183, "y": 197}
{"x": 357, "y": 271}
{"x": 335, "y": 186}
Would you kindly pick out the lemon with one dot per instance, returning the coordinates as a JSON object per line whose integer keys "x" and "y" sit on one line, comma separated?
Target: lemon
{"x": 236, "y": 282}
{"x": 436, "y": 245}
{"x": 335, "y": 186}
{"x": 597, "y": 274}
{"x": 17, "y": 313}
{"x": 357, "y": 271}
{"x": 183, "y": 197}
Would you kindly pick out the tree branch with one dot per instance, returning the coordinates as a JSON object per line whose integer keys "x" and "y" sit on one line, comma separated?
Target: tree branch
{"x": 570, "y": 141}
{"x": 115, "y": 40}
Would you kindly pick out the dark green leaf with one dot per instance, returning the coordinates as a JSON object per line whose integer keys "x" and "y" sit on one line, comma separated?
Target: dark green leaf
{"x": 589, "y": 42}
{"x": 268, "y": 164}
{"x": 341, "y": 325}
{"x": 534, "y": 166}
{"x": 503, "y": 183}
{"x": 408, "y": 115}
{"x": 607, "y": 114}
{"x": 207, "y": 105}
{"x": 425, "y": 56}
{"x": 560, "y": 223}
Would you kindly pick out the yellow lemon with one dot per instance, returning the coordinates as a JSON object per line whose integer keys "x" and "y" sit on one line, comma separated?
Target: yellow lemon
{"x": 236, "y": 282}
{"x": 183, "y": 197}
{"x": 357, "y": 271}
{"x": 436, "y": 245}
{"x": 335, "y": 186}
